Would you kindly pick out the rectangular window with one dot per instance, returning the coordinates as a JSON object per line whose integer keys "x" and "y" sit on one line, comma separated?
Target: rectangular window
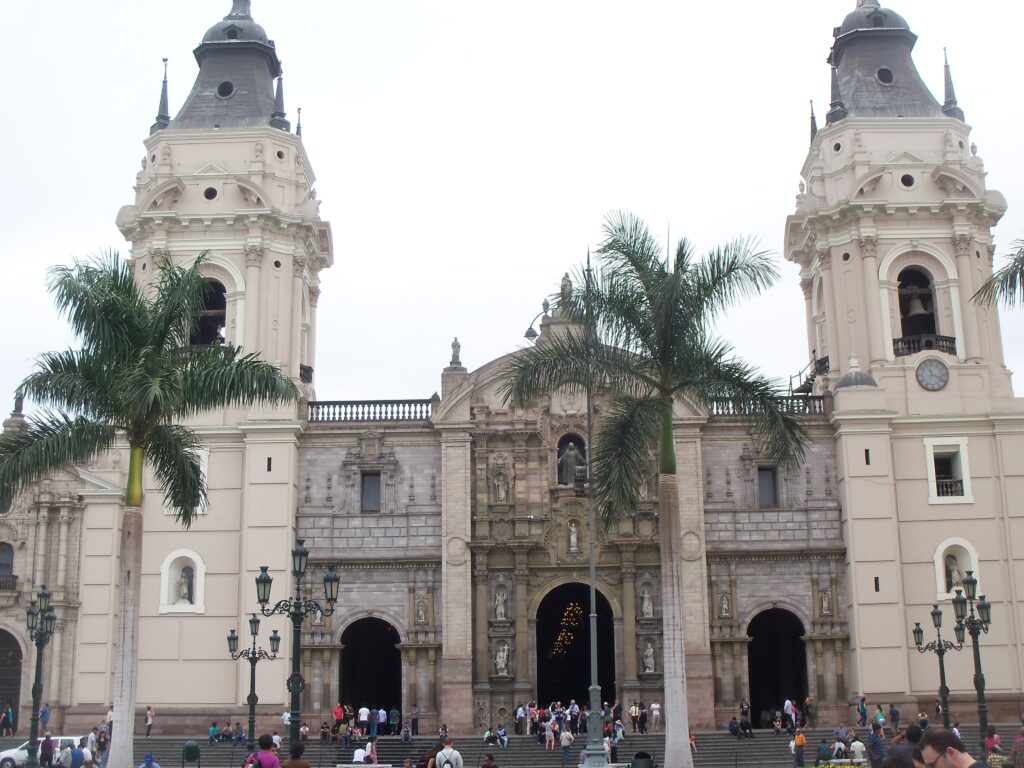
{"x": 370, "y": 497}
{"x": 949, "y": 479}
{"x": 767, "y": 493}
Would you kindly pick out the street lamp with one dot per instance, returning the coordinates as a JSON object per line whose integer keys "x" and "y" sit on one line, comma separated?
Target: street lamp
{"x": 531, "y": 332}
{"x": 975, "y": 618}
{"x": 41, "y": 621}
{"x": 253, "y": 654}
{"x": 938, "y": 646}
{"x": 296, "y": 609}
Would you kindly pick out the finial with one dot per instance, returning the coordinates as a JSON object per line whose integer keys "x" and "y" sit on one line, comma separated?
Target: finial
{"x": 456, "y": 353}
{"x": 867, "y": 4}
{"x": 837, "y": 110}
{"x": 16, "y": 420}
{"x": 163, "y": 118}
{"x": 949, "y": 107}
{"x": 814, "y": 122}
{"x": 240, "y": 9}
{"x": 277, "y": 119}
{"x": 19, "y": 402}
{"x": 298, "y": 127}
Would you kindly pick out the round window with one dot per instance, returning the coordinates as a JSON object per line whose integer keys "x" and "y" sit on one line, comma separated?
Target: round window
{"x": 210, "y": 193}
{"x": 226, "y": 89}
{"x": 837, "y": 147}
{"x": 280, "y": 154}
{"x": 846, "y": 257}
{"x": 277, "y": 264}
{"x": 885, "y": 76}
{"x": 907, "y": 180}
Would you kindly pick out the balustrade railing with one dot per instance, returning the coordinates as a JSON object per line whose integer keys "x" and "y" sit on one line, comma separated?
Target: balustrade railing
{"x": 949, "y": 487}
{"x": 369, "y": 410}
{"x": 911, "y": 345}
{"x": 8, "y": 582}
{"x": 795, "y": 405}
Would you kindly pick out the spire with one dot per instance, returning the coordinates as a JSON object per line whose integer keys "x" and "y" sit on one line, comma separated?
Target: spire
{"x": 240, "y": 9}
{"x": 949, "y": 106}
{"x": 163, "y": 117}
{"x": 837, "y": 110}
{"x": 277, "y": 118}
{"x": 298, "y": 127}
{"x": 814, "y": 122}
{"x": 868, "y": 5}
{"x": 16, "y": 420}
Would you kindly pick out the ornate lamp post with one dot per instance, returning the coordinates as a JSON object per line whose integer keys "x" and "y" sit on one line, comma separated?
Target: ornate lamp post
{"x": 296, "y": 608}
{"x": 975, "y": 620}
{"x": 40, "y": 631}
{"x": 253, "y": 654}
{"x": 938, "y": 646}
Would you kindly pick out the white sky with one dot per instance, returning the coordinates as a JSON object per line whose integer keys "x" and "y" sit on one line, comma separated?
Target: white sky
{"x": 468, "y": 150}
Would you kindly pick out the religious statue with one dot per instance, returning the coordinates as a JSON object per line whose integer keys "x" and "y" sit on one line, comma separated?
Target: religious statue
{"x": 501, "y": 659}
{"x": 318, "y": 617}
{"x": 456, "y": 351}
{"x": 500, "y": 599}
{"x": 185, "y": 587}
{"x": 500, "y": 486}
{"x": 646, "y": 605}
{"x": 567, "y": 463}
{"x": 648, "y": 658}
{"x": 566, "y": 287}
{"x": 421, "y": 612}
{"x": 826, "y": 602}
{"x": 574, "y": 544}
{"x": 724, "y": 606}
{"x": 954, "y": 576}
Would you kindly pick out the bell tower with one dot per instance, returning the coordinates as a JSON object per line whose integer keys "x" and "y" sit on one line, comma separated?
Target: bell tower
{"x": 227, "y": 176}
{"x": 893, "y": 234}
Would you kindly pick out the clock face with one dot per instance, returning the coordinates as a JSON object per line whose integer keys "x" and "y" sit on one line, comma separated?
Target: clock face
{"x": 933, "y": 375}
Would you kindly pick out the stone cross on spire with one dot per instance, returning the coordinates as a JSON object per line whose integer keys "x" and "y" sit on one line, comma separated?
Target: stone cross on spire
{"x": 867, "y": 4}
{"x": 241, "y": 9}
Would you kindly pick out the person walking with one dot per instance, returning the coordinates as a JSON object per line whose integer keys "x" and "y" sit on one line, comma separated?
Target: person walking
{"x": 414, "y": 720}
{"x": 875, "y": 747}
{"x": 862, "y": 712}
{"x": 799, "y": 744}
{"x": 46, "y": 751}
{"x": 150, "y": 716}
{"x": 565, "y": 740}
{"x": 655, "y": 715}
{"x": 44, "y": 717}
{"x": 894, "y": 718}
{"x": 448, "y": 757}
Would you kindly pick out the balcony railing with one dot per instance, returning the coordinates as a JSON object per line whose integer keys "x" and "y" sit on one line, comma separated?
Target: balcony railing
{"x": 794, "y": 405}
{"x": 949, "y": 487}
{"x": 911, "y": 345}
{"x": 369, "y": 410}
{"x": 8, "y": 582}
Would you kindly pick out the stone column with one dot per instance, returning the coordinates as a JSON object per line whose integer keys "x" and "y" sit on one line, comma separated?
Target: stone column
{"x": 42, "y": 525}
{"x": 820, "y": 690}
{"x": 524, "y": 672}
{"x": 62, "y": 548}
{"x": 840, "y": 670}
{"x": 408, "y": 687}
{"x": 744, "y": 668}
{"x": 739, "y": 654}
{"x": 56, "y": 696}
{"x": 432, "y": 684}
{"x": 836, "y": 363}
{"x": 254, "y": 256}
{"x": 971, "y": 349}
{"x": 422, "y": 684}
{"x": 873, "y": 303}
{"x": 314, "y": 299}
{"x": 807, "y": 286}
{"x": 298, "y": 281}
{"x": 480, "y": 652}
{"x": 719, "y": 673}
{"x": 629, "y": 654}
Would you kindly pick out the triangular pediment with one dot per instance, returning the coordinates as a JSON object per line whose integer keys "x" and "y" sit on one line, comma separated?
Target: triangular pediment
{"x": 211, "y": 169}
{"x": 905, "y": 158}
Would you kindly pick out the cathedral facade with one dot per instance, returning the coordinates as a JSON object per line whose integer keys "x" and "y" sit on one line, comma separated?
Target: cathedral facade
{"x": 459, "y": 538}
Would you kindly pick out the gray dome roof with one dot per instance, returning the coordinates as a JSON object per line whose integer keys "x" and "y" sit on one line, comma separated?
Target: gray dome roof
{"x": 856, "y": 378}
{"x": 872, "y": 17}
{"x": 233, "y": 29}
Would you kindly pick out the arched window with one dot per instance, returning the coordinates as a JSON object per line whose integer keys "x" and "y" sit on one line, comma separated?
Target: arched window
{"x": 182, "y": 581}
{"x": 572, "y": 455}
{"x": 953, "y": 559}
{"x": 212, "y": 320}
{"x": 917, "y": 303}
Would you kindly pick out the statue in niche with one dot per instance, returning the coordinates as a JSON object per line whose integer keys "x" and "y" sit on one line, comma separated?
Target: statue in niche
{"x": 501, "y": 659}
{"x": 954, "y": 575}
{"x": 568, "y": 461}
{"x": 724, "y": 606}
{"x": 646, "y": 604}
{"x": 500, "y": 485}
{"x": 574, "y": 544}
{"x": 500, "y": 600}
{"x": 421, "y": 612}
{"x": 185, "y": 582}
{"x": 648, "y": 658}
{"x": 826, "y": 602}
{"x": 318, "y": 617}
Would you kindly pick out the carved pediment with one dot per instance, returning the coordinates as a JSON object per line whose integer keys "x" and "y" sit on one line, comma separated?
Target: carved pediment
{"x": 953, "y": 183}
{"x": 164, "y": 195}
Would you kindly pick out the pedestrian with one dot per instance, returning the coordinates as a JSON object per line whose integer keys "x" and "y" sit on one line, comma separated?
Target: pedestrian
{"x": 880, "y": 719}
{"x": 276, "y": 738}
{"x": 734, "y": 727}
{"x": 382, "y": 721}
{"x": 655, "y": 715}
{"x": 6, "y": 726}
{"x": 642, "y": 721}
{"x": 110, "y": 721}
{"x": 565, "y": 740}
{"x": 993, "y": 742}
{"x": 339, "y": 714}
{"x": 266, "y": 757}
{"x": 394, "y": 721}
{"x": 363, "y": 721}
{"x": 502, "y": 735}
{"x": 1017, "y": 753}
{"x": 371, "y": 751}
{"x": 799, "y": 743}
{"x": 150, "y": 715}
{"x": 102, "y": 747}
{"x": 940, "y": 748}
{"x": 46, "y": 751}
{"x": 634, "y": 715}
{"x": 295, "y": 752}
{"x": 414, "y": 720}
{"x": 549, "y": 735}
{"x": 286, "y": 719}
{"x": 874, "y": 745}
{"x": 448, "y": 757}
{"x": 44, "y": 716}
{"x": 148, "y": 762}
{"x": 894, "y": 718}
{"x": 862, "y": 712}
{"x": 810, "y": 711}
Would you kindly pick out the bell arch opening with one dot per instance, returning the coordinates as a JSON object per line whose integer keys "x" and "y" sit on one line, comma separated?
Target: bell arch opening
{"x": 917, "y": 303}
{"x": 211, "y": 325}
{"x": 563, "y": 646}
{"x": 777, "y": 661}
{"x": 371, "y": 665}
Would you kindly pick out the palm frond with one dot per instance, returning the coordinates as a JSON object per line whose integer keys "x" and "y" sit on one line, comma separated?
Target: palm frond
{"x": 74, "y": 381}
{"x": 180, "y": 293}
{"x": 47, "y": 442}
{"x": 629, "y": 252}
{"x": 620, "y": 455}
{"x": 1006, "y": 285}
{"x": 221, "y": 375}
{"x": 734, "y": 271}
{"x": 173, "y": 453}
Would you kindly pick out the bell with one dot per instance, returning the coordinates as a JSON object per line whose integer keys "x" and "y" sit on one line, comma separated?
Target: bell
{"x": 916, "y": 307}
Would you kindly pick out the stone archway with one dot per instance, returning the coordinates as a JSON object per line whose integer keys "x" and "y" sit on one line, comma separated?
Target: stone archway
{"x": 371, "y": 665}
{"x": 777, "y": 661}
{"x": 10, "y": 671}
{"x": 563, "y": 645}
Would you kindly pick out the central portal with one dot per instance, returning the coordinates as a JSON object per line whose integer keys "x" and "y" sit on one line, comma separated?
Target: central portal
{"x": 563, "y": 646}
{"x": 371, "y": 665}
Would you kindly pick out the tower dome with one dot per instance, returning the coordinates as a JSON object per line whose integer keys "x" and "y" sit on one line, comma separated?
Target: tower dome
{"x": 237, "y": 26}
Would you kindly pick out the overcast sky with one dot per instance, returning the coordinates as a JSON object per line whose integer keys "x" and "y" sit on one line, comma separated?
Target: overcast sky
{"x": 467, "y": 151}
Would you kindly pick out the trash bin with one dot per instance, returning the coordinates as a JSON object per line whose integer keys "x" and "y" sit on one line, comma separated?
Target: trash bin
{"x": 642, "y": 760}
{"x": 190, "y": 753}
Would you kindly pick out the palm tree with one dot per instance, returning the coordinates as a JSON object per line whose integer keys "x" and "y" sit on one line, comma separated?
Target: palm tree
{"x": 1006, "y": 285}
{"x": 643, "y": 335}
{"x": 135, "y": 376}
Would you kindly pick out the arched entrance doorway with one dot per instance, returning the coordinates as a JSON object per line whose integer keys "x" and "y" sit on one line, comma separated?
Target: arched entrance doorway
{"x": 777, "y": 661}
{"x": 10, "y": 670}
{"x": 371, "y": 665}
{"x": 563, "y": 646}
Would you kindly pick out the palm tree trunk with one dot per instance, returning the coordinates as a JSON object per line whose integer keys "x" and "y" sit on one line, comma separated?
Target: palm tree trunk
{"x": 673, "y": 652}
{"x": 126, "y": 624}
